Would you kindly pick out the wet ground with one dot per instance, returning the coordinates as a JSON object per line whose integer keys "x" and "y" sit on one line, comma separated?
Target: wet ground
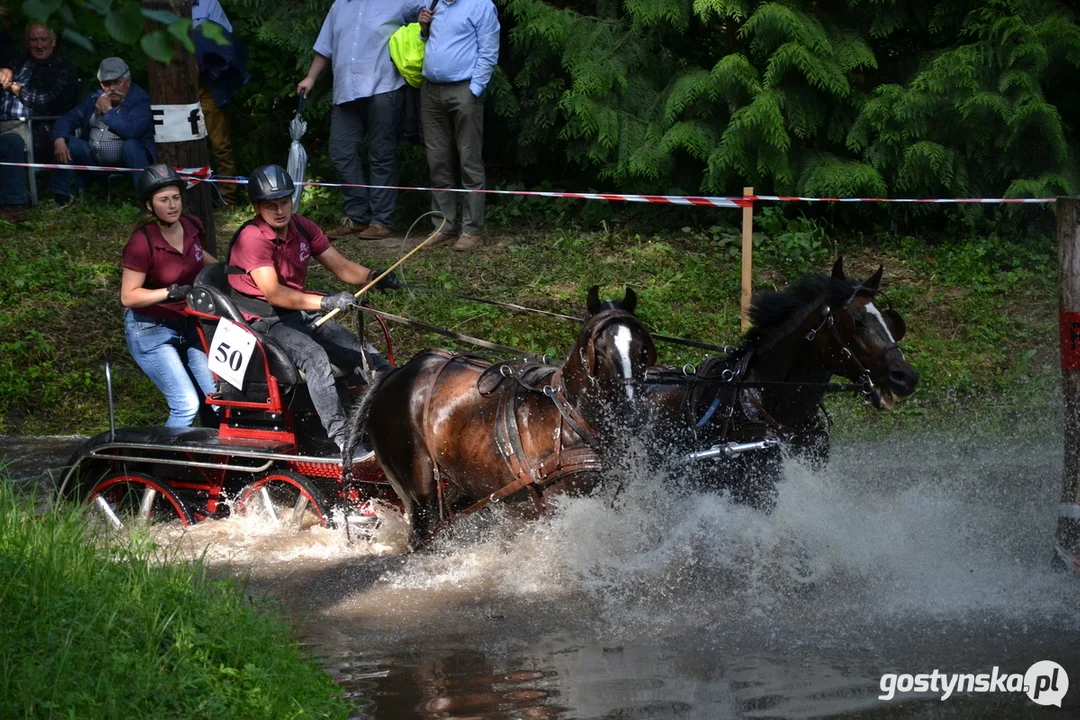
{"x": 672, "y": 604}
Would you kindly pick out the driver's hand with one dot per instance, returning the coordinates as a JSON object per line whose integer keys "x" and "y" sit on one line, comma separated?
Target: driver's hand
{"x": 390, "y": 282}
{"x": 338, "y": 301}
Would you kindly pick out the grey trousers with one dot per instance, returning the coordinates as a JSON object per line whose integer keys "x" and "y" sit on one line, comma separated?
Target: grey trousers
{"x": 379, "y": 119}
{"x": 453, "y": 122}
{"x": 312, "y": 350}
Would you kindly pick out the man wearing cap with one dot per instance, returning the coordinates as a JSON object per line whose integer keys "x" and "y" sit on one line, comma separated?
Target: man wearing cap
{"x": 117, "y": 127}
{"x": 43, "y": 83}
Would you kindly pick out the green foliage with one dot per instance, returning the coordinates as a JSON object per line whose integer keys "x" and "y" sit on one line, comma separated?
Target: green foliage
{"x": 798, "y": 245}
{"x": 107, "y": 628}
{"x": 861, "y": 98}
{"x": 87, "y": 23}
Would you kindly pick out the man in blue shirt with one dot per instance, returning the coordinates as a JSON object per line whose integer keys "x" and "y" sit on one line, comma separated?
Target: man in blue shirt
{"x": 460, "y": 56}
{"x": 368, "y": 100}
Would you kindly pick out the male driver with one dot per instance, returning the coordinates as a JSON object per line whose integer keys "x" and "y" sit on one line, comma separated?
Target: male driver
{"x": 118, "y": 129}
{"x": 368, "y": 100}
{"x": 461, "y": 52}
{"x": 267, "y": 266}
{"x": 43, "y": 83}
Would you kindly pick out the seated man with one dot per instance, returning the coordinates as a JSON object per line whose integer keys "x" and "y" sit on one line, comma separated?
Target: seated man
{"x": 117, "y": 126}
{"x": 267, "y": 266}
{"x": 43, "y": 83}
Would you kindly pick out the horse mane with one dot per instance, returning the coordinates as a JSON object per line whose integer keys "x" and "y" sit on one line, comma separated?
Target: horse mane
{"x": 774, "y": 314}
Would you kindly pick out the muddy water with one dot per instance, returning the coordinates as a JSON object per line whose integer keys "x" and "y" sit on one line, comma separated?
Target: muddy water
{"x": 667, "y": 603}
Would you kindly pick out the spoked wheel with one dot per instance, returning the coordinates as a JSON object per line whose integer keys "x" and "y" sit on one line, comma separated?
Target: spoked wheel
{"x": 124, "y": 499}
{"x": 286, "y": 498}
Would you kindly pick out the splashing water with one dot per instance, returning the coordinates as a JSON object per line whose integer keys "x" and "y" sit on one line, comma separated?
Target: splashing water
{"x": 659, "y": 601}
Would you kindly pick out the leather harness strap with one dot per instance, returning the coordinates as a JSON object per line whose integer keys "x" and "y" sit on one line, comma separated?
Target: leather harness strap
{"x": 563, "y": 461}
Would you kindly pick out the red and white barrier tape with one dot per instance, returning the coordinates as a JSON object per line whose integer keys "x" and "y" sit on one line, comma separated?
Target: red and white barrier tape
{"x": 204, "y": 174}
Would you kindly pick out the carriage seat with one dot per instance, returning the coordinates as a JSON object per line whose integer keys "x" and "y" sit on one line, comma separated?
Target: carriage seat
{"x": 210, "y": 295}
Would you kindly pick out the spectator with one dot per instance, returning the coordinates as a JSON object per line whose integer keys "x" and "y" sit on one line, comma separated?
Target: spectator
{"x": 43, "y": 83}
{"x": 115, "y": 121}
{"x": 222, "y": 73}
{"x": 462, "y": 49}
{"x": 368, "y": 101}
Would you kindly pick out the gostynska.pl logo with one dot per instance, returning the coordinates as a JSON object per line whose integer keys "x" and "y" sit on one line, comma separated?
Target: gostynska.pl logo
{"x": 1045, "y": 683}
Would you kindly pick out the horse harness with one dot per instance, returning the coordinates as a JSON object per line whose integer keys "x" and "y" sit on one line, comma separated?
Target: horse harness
{"x": 515, "y": 380}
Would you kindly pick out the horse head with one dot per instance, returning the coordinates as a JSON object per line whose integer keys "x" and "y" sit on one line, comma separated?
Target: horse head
{"x": 604, "y": 374}
{"x": 846, "y": 333}
{"x": 858, "y": 340}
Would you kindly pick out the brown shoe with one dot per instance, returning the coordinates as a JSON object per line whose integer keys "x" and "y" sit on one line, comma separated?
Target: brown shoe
{"x": 348, "y": 226}
{"x": 468, "y": 241}
{"x": 376, "y": 232}
{"x": 440, "y": 240}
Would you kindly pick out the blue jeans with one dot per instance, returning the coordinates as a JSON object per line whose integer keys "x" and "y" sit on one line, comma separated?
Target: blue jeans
{"x": 379, "y": 119}
{"x": 13, "y": 179}
{"x": 135, "y": 156}
{"x": 170, "y": 353}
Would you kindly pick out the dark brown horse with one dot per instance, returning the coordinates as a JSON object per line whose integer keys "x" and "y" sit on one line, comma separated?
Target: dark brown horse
{"x": 774, "y": 385}
{"x": 453, "y": 432}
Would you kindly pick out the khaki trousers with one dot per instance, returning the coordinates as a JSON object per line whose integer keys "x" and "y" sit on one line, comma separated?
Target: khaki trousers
{"x": 217, "y": 128}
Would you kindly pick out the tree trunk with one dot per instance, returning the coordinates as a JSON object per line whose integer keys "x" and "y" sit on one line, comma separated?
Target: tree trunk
{"x": 177, "y": 84}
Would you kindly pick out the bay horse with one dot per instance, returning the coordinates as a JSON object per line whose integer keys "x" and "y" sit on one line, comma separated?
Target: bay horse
{"x": 775, "y": 383}
{"x": 454, "y": 432}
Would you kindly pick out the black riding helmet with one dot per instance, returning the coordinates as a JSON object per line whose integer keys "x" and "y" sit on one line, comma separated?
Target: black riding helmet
{"x": 156, "y": 177}
{"x": 269, "y": 182}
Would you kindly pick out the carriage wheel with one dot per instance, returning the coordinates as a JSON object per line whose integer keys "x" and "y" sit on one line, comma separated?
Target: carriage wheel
{"x": 136, "y": 498}
{"x": 287, "y": 498}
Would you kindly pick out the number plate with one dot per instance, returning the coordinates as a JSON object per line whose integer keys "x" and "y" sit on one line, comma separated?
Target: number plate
{"x": 231, "y": 352}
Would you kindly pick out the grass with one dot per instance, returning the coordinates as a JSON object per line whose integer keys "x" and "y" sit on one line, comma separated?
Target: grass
{"x": 981, "y": 312}
{"x": 114, "y": 631}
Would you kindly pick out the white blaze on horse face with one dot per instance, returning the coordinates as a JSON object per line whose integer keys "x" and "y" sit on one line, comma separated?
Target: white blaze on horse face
{"x": 884, "y": 325}
{"x": 623, "y": 338}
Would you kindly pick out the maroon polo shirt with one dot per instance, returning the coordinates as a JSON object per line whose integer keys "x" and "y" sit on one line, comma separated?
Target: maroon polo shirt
{"x": 258, "y": 246}
{"x": 147, "y": 251}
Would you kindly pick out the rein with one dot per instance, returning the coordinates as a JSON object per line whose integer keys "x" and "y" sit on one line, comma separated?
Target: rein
{"x": 570, "y": 318}
{"x": 451, "y": 334}
{"x": 680, "y": 378}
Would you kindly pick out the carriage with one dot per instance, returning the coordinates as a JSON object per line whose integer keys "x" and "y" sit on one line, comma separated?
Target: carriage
{"x": 269, "y": 454}
{"x": 453, "y": 434}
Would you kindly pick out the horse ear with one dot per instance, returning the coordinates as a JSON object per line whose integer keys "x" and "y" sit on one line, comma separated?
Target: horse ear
{"x": 896, "y": 324}
{"x": 838, "y": 269}
{"x": 592, "y": 300}
{"x": 875, "y": 280}
{"x": 629, "y": 301}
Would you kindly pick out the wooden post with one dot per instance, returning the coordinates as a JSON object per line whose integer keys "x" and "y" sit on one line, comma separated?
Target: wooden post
{"x": 177, "y": 85}
{"x": 1067, "y": 550}
{"x": 747, "y": 259}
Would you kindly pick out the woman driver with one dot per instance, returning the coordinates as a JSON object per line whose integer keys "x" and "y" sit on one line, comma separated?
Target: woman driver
{"x": 161, "y": 259}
